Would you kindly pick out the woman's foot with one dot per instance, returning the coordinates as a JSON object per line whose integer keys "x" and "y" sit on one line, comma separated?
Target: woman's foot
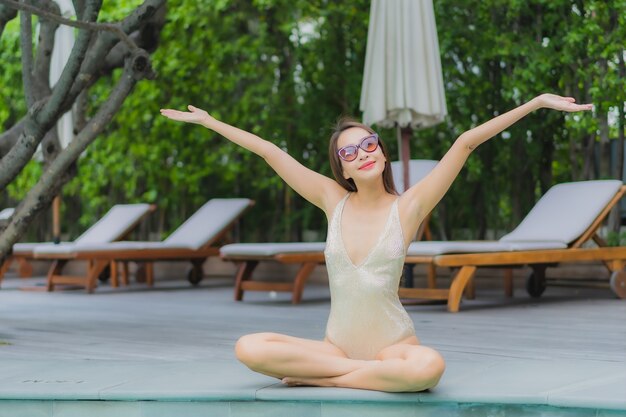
{"x": 308, "y": 382}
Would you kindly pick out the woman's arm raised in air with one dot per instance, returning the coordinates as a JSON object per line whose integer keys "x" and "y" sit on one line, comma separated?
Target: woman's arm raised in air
{"x": 311, "y": 185}
{"x": 425, "y": 195}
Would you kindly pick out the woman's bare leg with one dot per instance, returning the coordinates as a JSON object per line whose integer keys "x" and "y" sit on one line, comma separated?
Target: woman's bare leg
{"x": 401, "y": 367}
{"x": 279, "y": 356}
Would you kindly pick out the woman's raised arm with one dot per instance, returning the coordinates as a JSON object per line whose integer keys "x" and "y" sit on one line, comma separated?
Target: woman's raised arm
{"x": 425, "y": 195}
{"x": 311, "y": 185}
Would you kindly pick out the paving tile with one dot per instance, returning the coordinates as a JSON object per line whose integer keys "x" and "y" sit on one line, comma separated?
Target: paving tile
{"x": 176, "y": 343}
{"x": 603, "y": 393}
{"x": 15, "y": 367}
{"x": 184, "y": 409}
{"x": 71, "y": 380}
{"x": 9, "y": 408}
{"x": 517, "y": 381}
{"x": 274, "y": 409}
{"x": 463, "y": 370}
{"x": 206, "y": 380}
{"x": 96, "y": 409}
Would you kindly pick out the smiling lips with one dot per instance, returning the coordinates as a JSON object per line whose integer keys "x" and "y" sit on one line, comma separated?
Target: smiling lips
{"x": 367, "y": 165}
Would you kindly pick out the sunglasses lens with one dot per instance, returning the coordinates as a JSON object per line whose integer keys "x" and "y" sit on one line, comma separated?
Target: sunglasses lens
{"x": 348, "y": 153}
{"x": 370, "y": 144}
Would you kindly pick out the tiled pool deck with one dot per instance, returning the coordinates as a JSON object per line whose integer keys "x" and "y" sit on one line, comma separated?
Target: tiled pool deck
{"x": 168, "y": 351}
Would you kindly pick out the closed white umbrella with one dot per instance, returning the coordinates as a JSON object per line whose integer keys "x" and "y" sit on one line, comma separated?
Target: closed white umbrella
{"x": 402, "y": 82}
{"x": 63, "y": 44}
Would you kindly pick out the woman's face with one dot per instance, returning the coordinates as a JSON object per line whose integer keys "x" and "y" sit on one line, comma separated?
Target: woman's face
{"x": 366, "y": 165}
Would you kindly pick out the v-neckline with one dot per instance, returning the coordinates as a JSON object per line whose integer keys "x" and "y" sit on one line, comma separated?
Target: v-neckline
{"x": 376, "y": 244}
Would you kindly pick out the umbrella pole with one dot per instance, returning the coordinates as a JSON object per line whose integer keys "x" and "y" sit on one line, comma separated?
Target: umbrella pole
{"x": 404, "y": 135}
{"x": 404, "y": 153}
{"x": 56, "y": 219}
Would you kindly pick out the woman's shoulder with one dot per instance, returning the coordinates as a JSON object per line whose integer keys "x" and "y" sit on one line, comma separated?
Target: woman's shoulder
{"x": 333, "y": 199}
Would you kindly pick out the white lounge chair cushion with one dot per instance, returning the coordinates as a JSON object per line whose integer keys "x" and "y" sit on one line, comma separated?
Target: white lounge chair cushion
{"x": 104, "y": 247}
{"x": 114, "y": 224}
{"x": 433, "y": 248}
{"x": 196, "y": 232}
{"x": 418, "y": 169}
{"x": 270, "y": 249}
{"x": 29, "y": 248}
{"x": 565, "y": 211}
{"x": 207, "y": 222}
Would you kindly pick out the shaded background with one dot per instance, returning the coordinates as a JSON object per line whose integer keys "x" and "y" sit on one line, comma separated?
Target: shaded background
{"x": 286, "y": 70}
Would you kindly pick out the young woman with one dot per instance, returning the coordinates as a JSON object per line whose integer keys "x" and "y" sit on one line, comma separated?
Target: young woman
{"x": 370, "y": 340}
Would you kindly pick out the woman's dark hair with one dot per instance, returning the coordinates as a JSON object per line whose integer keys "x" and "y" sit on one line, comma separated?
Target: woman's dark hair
{"x": 342, "y": 125}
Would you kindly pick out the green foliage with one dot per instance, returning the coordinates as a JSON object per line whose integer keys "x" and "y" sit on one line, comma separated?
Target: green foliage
{"x": 616, "y": 239}
{"x": 260, "y": 66}
{"x": 18, "y": 189}
{"x": 286, "y": 70}
{"x": 497, "y": 54}
{"x": 12, "y": 105}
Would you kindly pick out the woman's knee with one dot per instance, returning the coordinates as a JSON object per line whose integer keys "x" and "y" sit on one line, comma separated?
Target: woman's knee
{"x": 427, "y": 371}
{"x": 250, "y": 349}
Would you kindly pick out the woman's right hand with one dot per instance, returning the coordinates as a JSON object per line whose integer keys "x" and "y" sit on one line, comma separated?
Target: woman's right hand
{"x": 194, "y": 115}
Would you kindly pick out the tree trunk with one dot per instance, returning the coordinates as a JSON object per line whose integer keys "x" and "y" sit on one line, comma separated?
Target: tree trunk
{"x": 50, "y": 105}
{"x": 53, "y": 179}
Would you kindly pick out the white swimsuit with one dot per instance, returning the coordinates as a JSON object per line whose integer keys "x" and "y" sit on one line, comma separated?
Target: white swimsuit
{"x": 365, "y": 312}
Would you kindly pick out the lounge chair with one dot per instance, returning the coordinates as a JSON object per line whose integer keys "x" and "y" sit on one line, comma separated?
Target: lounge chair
{"x": 564, "y": 219}
{"x": 307, "y": 254}
{"x": 116, "y": 224}
{"x": 193, "y": 241}
{"x": 554, "y": 231}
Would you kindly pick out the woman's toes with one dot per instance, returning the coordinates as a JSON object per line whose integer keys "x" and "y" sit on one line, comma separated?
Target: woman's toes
{"x": 292, "y": 382}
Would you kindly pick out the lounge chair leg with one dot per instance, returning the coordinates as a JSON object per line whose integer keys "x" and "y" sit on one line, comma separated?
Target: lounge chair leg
{"x": 470, "y": 289}
{"x": 431, "y": 275}
{"x": 55, "y": 269}
{"x": 125, "y": 273}
{"x": 95, "y": 270}
{"x": 301, "y": 278}
{"x": 25, "y": 270}
{"x": 458, "y": 285}
{"x": 113, "y": 278}
{"x": 243, "y": 274}
{"x": 150, "y": 273}
{"x": 508, "y": 282}
{"x": 5, "y": 267}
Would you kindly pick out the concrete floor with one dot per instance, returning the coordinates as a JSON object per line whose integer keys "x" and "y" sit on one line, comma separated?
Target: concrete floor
{"x": 168, "y": 351}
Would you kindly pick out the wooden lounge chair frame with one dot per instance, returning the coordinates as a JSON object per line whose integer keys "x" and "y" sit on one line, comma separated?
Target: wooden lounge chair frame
{"x": 98, "y": 260}
{"x": 614, "y": 258}
{"x": 25, "y": 269}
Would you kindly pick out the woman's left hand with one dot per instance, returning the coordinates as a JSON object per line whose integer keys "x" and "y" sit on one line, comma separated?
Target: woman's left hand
{"x": 552, "y": 101}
